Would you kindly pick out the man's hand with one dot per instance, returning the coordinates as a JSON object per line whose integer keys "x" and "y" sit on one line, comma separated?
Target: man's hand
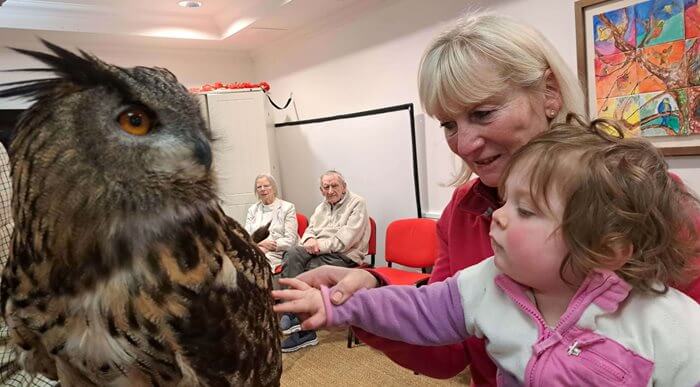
{"x": 311, "y": 246}
{"x": 303, "y": 300}
{"x": 268, "y": 245}
{"x": 344, "y": 282}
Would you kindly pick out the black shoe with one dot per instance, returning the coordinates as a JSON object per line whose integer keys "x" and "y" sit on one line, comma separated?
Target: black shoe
{"x": 289, "y": 323}
{"x": 299, "y": 340}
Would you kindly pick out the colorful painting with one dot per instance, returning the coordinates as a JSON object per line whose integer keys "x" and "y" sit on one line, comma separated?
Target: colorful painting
{"x": 692, "y": 56}
{"x": 692, "y": 19}
{"x": 613, "y": 28}
{"x": 666, "y": 58}
{"x": 660, "y": 114}
{"x": 659, "y": 21}
{"x": 693, "y": 110}
{"x": 616, "y": 75}
{"x": 646, "y": 66}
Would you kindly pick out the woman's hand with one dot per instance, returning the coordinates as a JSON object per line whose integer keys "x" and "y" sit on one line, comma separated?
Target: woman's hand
{"x": 344, "y": 282}
{"x": 303, "y": 300}
{"x": 268, "y": 245}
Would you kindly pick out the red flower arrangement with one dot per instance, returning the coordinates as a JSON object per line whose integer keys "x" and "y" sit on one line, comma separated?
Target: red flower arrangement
{"x": 236, "y": 85}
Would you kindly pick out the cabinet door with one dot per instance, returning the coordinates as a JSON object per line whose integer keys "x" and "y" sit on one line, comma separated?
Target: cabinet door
{"x": 237, "y": 122}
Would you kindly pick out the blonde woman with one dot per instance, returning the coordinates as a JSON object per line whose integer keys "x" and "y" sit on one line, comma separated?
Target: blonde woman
{"x": 578, "y": 292}
{"x": 494, "y": 84}
{"x": 281, "y": 215}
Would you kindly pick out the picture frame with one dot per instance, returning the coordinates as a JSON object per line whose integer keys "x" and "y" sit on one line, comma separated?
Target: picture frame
{"x": 639, "y": 61}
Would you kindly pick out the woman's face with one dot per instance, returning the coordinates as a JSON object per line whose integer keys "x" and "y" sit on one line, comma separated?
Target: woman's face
{"x": 264, "y": 190}
{"x": 486, "y": 135}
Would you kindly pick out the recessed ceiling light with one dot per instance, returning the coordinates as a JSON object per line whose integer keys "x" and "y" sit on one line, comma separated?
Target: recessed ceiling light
{"x": 189, "y": 4}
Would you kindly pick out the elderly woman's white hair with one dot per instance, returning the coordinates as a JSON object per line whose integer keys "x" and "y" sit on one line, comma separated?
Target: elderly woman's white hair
{"x": 273, "y": 184}
{"x": 483, "y": 55}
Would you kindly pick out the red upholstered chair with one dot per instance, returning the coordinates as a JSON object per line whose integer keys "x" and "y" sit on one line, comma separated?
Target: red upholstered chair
{"x": 302, "y": 224}
{"x": 411, "y": 243}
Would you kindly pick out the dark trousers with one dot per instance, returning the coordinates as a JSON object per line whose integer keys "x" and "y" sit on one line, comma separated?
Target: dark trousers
{"x": 297, "y": 261}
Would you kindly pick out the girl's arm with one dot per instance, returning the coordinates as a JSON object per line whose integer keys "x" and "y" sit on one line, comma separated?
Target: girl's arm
{"x": 429, "y": 315}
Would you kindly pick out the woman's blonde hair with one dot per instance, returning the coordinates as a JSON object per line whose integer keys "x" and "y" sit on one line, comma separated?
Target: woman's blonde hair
{"x": 618, "y": 192}
{"x": 273, "y": 184}
{"x": 453, "y": 69}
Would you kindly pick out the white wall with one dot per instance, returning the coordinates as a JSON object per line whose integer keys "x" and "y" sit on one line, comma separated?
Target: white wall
{"x": 193, "y": 67}
{"x": 363, "y": 59}
{"x": 369, "y": 58}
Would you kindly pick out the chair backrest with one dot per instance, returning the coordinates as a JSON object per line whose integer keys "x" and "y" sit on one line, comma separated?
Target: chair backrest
{"x": 372, "y": 245}
{"x": 412, "y": 242}
{"x": 302, "y": 224}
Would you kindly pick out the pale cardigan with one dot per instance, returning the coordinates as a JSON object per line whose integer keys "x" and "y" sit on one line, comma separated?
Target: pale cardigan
{"x": 283, "y": 229}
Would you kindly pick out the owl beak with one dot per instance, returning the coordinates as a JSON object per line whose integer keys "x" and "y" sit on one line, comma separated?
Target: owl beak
{"x": 202, "y": 152}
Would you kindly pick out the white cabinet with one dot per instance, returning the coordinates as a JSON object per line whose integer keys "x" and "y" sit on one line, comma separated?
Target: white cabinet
{"x": 244, "y": 145}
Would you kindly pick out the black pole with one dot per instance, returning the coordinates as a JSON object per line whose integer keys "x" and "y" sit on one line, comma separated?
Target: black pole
{"x": 414, "y": 151}
{"x": 344, "y": 116}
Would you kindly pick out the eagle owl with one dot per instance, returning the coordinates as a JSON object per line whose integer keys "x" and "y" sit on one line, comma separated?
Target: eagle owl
{"x": 124, "y": 270}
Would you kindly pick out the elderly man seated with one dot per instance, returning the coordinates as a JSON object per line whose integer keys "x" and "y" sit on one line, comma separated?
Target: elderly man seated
{"x": 338, "y": 234}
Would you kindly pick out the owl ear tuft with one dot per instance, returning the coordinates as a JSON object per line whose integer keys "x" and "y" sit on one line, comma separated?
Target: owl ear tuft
{"x": 84, "y": 71}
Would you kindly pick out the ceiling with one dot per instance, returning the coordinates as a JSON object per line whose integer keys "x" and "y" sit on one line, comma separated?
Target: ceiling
{"x": 219, "y": 24}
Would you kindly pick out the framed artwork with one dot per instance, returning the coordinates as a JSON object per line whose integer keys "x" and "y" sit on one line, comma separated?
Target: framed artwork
{"x": 639, "y": 61}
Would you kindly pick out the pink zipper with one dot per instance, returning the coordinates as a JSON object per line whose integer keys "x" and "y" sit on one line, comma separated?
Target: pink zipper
{"x": 545, "y": 332}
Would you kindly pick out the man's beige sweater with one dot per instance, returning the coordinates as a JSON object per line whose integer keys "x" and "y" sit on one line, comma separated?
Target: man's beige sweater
{"x": 342, "y": 228}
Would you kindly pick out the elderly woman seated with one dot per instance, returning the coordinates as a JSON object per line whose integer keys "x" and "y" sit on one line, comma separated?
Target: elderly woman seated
{"x": 280, "y": 214}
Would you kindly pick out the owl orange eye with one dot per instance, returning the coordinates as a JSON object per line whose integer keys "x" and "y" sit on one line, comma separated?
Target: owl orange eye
{"x": 135, "y": 120}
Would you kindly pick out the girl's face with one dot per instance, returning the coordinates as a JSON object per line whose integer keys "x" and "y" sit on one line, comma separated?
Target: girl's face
{"x": 527, "y": 242}
{"x": 486, "y": 135}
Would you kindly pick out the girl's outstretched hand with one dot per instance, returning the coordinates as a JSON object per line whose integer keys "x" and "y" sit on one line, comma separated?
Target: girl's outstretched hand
{"x": 303, "y": 300}
{"x": 343, "y": 282}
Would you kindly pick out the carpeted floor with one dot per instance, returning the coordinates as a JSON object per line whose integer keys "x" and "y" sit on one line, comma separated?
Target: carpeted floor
{"x": 331, "y": 363}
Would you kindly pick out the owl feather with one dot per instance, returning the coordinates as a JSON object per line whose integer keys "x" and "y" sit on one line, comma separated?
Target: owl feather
{"x": 124, "y": 270}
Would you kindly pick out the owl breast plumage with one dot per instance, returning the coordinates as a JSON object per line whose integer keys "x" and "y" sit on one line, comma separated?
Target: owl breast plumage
{"x": 124, "y": 270}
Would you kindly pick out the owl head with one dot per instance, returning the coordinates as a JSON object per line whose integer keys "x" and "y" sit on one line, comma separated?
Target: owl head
{"x": 132, "y": 139}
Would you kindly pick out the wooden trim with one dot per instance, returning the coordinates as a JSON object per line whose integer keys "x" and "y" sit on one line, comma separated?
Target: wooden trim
{"x": 580, "y": 25}
{"x": 681, "y": 151}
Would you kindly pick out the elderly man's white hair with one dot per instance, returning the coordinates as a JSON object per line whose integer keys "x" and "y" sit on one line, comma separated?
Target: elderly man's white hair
{"x": 332, "y": 172}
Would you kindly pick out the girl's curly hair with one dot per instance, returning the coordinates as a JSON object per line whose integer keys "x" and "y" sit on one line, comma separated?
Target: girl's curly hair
{"x": 618, "y": 192}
